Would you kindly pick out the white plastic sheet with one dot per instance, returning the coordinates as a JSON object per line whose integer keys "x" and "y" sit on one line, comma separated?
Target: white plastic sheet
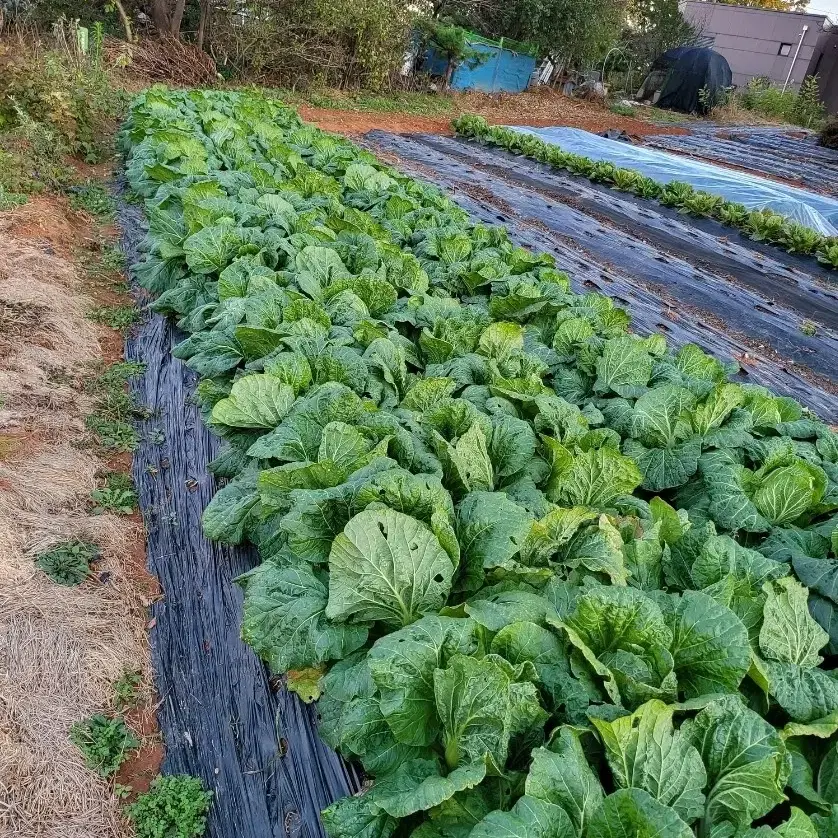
{"x": 815, "y": 211}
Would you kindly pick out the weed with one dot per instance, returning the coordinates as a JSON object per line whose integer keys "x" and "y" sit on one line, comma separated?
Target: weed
{"x": 828, "y": 253}
{"x": 402, "y": 102}
{"x": 174, "y": 807}
{"x": 116, "y": 317}
{"x": 808, "y": 328}
{"x": 112, "y": 434}
{"x": 621, "y": 110}
{"x": 92, "y": 198}
{"x": 10, "y": 200}
{"x": 104, "y": 742}
{"x": 68, "y": 563}
{"x": 121, "y": 791}
{"x": 116, "y": 496}
{"x": 126, "y": 689}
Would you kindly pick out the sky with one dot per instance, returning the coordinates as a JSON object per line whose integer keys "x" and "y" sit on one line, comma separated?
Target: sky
{"x": 826, "y": 7}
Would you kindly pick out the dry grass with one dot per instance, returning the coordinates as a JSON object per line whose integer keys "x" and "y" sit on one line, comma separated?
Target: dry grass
{"x": 60, "y": 648}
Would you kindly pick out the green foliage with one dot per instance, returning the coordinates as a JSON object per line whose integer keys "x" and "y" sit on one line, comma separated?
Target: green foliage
{"x": 10, "y": 200}
{"x": 828, "y": 136}
{"x": 621, "y": 110}
{"x": 116, "y": 317}
{"x": 104, "y": 742}
{"x": 358, "y": 43}
{"x": 759, "y": 225}
{"x": 68, "y": 563}
{"x": 395, "y": 101}
{"x": 552, "y": 572}
{"x": 580, "y": 31}
{"x": 174, "y": 807}
{"x": 126, "y": 689}
{"x": 803, "y": 107}
{"x": 115, "y": 406}
{"x": 117, "y": 495}
{"x": 93, "y": 198}
{"x": 112, "y": 434}
{"x": 50, "y": 107}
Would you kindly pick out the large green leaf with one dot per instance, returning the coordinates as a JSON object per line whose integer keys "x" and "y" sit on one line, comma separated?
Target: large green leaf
{"x": 645, "y": 752}
{"x": 473, "y": 704}
{"x": 709, "y": 646}
{"x": 402, "y": 665}
{"x": 285, "y": 619}
{"x": 562, "y": 776}
{"x": 632, "y": 813}
{"x": 789, "y": 634}
{"x": 387, "y": 566}
{"x": 256, "y": 401}
{"x": 418, "y": 785}
{"x": 745, "y": 760}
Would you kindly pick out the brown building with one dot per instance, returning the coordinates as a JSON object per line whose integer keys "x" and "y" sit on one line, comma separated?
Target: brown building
{"x": 782, "y": 46}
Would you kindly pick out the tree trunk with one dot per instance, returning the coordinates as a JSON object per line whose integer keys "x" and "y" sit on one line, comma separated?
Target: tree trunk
{"x": 160, "y": 17}
{"x": 126, "y": 21}
{"x": 167, "y": 21}
{"x": 177, "y": 18}
{"x": 203, "y": 22}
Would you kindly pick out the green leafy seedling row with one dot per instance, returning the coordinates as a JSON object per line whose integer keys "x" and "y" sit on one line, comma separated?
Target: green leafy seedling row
{"x": 760, "y": 225}
{"x": 546, "y": 577}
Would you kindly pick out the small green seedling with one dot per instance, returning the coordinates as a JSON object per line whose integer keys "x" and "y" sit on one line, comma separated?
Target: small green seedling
{"x": 68, "y": 563}
{"x": 104, "y": 742}
{"x": 116, "y": 496}
{"x": 174, "y": 807}
{"x": 112, "y": 434}
{"x": 126, "y": 689}
{"x": 808, "y": 328}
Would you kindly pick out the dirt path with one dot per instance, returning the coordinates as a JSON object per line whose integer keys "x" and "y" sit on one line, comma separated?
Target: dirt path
{"x": 61, "y": 648}
{"x": 538, "y": 107}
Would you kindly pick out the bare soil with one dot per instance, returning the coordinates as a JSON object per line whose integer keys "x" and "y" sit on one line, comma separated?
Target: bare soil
{"x": 538, "y": 107}
{"x": 61, "y": 648}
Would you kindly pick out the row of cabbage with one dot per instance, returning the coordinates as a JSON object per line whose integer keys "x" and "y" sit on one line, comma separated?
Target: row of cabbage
{"x": 549, "y": 577}
{"x": 760, "y": 225}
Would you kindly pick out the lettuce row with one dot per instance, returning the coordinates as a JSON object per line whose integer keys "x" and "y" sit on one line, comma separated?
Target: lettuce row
{"x": 546, "y": 577}
{"x": 759, "y": 225}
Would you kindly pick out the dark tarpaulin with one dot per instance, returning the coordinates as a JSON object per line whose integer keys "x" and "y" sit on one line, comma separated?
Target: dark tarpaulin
{"x": 690, "y": 70}
{"x": 221, "y": 719}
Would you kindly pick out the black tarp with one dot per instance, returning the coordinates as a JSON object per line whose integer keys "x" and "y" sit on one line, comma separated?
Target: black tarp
{"x": 222, "y": 717}
{"x": 682, "y": 73}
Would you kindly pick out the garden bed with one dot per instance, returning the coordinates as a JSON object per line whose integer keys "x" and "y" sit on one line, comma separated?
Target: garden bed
{"x": 495, "y": 518}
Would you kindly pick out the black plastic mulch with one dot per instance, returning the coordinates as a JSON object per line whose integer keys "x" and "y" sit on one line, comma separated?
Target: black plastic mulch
{"x": 256, "y": 747}
{"x": 689, "y": 279}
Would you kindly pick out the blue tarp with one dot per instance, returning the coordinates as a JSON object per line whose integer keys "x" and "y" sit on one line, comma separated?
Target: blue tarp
{"x": 499, "y": 69}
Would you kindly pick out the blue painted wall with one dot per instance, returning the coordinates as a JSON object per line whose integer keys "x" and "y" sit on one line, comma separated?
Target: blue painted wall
{"x": 500, "y": 69}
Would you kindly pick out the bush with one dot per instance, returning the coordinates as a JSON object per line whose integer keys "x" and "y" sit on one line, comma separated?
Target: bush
{"x": 309, "y": 43}
{"x": 800, "y": 108}
{"x": 53, "y": 104}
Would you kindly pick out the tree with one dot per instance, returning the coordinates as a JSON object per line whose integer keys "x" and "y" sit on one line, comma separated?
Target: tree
{"x": 167, "y": 16}
{"x": 579, "y": 32}
{"x": 653, "y": 27}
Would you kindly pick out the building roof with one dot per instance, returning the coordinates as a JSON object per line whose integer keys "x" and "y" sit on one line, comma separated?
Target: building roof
{"x": 756, "y": 9}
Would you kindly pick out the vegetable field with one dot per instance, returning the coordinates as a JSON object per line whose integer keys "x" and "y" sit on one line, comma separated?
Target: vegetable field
{"x": 544, "y": 575}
